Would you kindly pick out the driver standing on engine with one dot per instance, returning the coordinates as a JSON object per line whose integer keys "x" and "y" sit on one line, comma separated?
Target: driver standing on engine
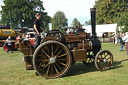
{"x": 38, "y": 30}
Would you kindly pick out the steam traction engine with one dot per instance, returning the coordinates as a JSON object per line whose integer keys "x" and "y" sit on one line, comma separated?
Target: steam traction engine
{"x": 57, "y": 52}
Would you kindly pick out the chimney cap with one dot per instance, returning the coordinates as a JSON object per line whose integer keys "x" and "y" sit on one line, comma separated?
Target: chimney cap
{"x": 93, "y": 9}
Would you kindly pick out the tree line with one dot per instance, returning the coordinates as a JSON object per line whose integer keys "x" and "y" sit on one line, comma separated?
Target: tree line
{"x": 112, "y": 11}
{"x": 19, "y": 13}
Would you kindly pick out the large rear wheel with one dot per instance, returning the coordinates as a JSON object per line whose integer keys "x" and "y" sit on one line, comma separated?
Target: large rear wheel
{"x": 52, "y": 59}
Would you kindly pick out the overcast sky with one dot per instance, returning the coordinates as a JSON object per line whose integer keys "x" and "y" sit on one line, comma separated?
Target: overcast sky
{"x": 79, "y": 9}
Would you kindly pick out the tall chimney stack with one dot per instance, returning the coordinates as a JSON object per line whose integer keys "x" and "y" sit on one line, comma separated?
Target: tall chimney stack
{"x": 93, "y": 23}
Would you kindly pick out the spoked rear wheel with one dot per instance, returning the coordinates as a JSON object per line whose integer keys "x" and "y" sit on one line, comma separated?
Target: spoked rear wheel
{"x": 52, "y": 59}
{"x": 103, "y": 60}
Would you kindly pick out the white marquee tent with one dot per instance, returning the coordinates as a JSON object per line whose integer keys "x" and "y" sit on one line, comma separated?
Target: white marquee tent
{"x": 100, "y": 29}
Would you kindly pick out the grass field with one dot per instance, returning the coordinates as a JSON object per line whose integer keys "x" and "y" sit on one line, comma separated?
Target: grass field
{"x": 12, "y": 71}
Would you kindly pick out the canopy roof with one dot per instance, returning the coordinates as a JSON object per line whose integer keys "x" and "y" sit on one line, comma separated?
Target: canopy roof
{"x": 102, "y": 28}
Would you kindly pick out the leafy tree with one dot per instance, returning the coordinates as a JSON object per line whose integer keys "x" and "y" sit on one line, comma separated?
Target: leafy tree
{"x": 59, "y": 20}
{"x": 45, "y": 21}
{"x": 88, "y": 22}
{"x": 39, "y": 5}
{"x": 103, "y": 12}
{"x": 108, "y": 11}
{"x": 17, "y": 12}
{"x": 123, "y": 22}
{"x": 75, "y": 22}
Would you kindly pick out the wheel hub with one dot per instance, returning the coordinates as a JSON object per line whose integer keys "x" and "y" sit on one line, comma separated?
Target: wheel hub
{"x": 52, "y": 60}
{"x": 105, "y": 60}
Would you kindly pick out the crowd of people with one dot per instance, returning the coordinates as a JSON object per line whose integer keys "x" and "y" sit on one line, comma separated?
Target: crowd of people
{"x": 123, "y": 41}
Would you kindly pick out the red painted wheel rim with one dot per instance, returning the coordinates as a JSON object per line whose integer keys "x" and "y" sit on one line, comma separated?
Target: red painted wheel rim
{"x": 5, "y": 48}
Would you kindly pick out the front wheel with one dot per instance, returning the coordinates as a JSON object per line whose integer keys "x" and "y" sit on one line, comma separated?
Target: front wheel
{"x": 103, "y": 60}
{"x": 52, "y": 59}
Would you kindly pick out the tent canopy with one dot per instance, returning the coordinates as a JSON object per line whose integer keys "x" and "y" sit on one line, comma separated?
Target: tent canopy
{"x": 102, "y": 28}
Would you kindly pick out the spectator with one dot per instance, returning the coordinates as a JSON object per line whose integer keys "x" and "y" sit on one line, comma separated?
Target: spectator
{"x": 126, "y": 42}
{"x": 71, "y": 32}
{"x": 18, "y": 38}
{"x": 88, "y": 36}
{"x": 9, "y": 44}
{"x": 122, "y": 42}
{"x": 114, "y": 38}
{"x": 119, "y": 38}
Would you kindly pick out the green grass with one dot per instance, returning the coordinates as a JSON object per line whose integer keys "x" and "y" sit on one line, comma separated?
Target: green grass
{"x": 13, "y": 72}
